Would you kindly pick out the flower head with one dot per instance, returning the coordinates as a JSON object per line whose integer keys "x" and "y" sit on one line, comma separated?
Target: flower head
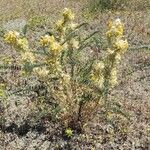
{"x": 11, "y": 37}
{"x": 60, "y": 25}
{"x": 46, "y": 40}
{"x": 98, "y": 66}
{"x": 41, "y": 71}
{"x": 68, "y": 15}
{"x": 28, "y": 57}
{"x": 97, "y": 76}
{"x": 72, "y": 25}
{"x": 115, "y": 29}
{"x": 121, "y": 45}
{"x": 22, "y": 43}
{"x": 74, "y": 43}
{"x": 113, "y": 77}
{"x": 55, "y": 47}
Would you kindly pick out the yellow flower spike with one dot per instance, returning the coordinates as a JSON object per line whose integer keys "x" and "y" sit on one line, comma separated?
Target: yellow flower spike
{"x": 28, "y": 57}
{"x": 60, "y": 26}
{"x": 22, "y": 43}
{"x": 113, "y": 77}
{"x": 114, "y": 32}
{"x": 115, "y": 29}
{"x": 46, "y": 40}
{"x": 55, "y": 47}
{"x": 99, "y": 66}
{"x": 68, "y": 15}
{"x": 41, "y": 72}
{"x": 11, "y": 37}
{"x": 97, "y": 76}
{"x": 121, "y": 45}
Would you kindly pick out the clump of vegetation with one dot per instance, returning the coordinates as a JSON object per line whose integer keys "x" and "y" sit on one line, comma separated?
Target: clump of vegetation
{"x": 118, "y": 5}
{"x": 74, "y": 88}
{"x": 108, "y": 4}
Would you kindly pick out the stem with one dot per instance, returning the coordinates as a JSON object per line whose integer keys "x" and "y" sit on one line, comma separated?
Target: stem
{"x": 106, "y": 82}
{"x": 72, "y": 63}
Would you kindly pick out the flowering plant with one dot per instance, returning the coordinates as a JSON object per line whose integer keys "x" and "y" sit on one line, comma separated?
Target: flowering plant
{"x": 73, "y": 90}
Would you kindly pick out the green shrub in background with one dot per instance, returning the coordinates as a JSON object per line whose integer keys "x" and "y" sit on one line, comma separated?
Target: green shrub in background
{"x": 108, "y": 4}
{"x": 119, "y": 5}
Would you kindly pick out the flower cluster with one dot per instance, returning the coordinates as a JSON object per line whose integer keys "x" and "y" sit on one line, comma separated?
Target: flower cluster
{"x": 115, "y": 29}
{"x": 14, "y": 38}
{"x": 53, "y": 44}
{"x": 68, "y": 15}
{"x": 11, "y": 37}
{"x": 66, "y": 23}
{"x": 21, "y": 44}
{"x": 73, "y": 44}
{"x": 46, "y": 40}
{"x": 97, "y": 76}
{"x": 118, "y": 46}
{"x": 42, "y": 72}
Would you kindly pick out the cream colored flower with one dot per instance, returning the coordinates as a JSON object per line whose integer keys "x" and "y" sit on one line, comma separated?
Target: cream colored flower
{"x": 65, "y": 78}
{"x": 97, "y": 76}
{"x": 46, "y": 40}
{"x": 113, "y": 77}
{"x": 60, "y": 23}
{"x": 121, "y": 45}
{"x": 28, "y": 57}
{"x": 22, "y": 43}
{"x": 99, "y": 66}
{"x": 118, "y": 57}
{"x": 74, "y": 43}
{"x": 68, "y": 15}
{"x": 72, "y": 25}
{"x": 110, "y": 51}
{"x": 11, "y": 37}
{"x": 41, "y": 71}
{"x": 117, "y": 22}
{"x": 55, "y": 47}
{"x": 100, "y": 82}
{"x": 65, "y": 46}
{"x": 115, "y": 29}
{"x": 60, "y": 26}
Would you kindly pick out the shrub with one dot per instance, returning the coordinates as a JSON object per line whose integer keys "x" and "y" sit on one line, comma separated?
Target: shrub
{"x": 74, "y": 88}
{"x": 119, "y": 5}
{"x": 108, "y": 4}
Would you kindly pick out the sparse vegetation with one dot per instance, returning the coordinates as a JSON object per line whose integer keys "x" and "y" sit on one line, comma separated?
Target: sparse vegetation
{"x": 66, "y": 81}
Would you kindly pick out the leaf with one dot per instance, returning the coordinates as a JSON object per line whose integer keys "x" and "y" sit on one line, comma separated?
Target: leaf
{"x": 25, "y": 29}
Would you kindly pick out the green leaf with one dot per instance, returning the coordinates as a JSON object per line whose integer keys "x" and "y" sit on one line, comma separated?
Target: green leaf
{"x": 25, "y": 29}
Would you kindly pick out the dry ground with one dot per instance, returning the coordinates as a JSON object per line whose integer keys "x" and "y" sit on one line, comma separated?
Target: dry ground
{"x": 133, "y": 90}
